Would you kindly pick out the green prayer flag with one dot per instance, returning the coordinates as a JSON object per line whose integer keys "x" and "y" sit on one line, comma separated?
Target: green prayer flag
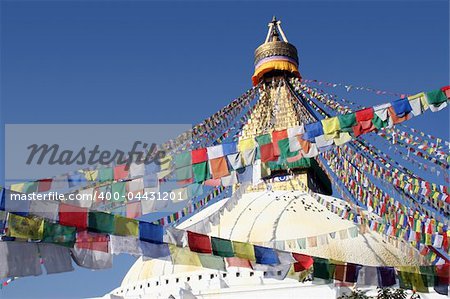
{"x": 263, "y": 139}
{"x": 101, "y": 222}
{"x": 436, "y": 97}
{"x": 222, "y": 247}
{"x": 379, "y": 123}
{"x": 182, "y": 160}
{"x": 30, "y": 187}
{"x": 285, "y": 151}
{"x": 212, "y": 262}
{"x": 105, "y": 174}
{"x": 347, "y": 121}
{"x": 118, "y": 191}
{"x": 323, "y": 269}
{"x": 404, "y": 279}
{"x": 183, "y": 173}
{"x": 59, "y": 234}
{"x": 429, "y": 273}
{"x": 244, "y": 250}
{"x": 126, "y": 226}
{"x": 201, "y": 172}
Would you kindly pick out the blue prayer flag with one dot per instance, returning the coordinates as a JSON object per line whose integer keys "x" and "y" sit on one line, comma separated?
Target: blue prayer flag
{"x": 150, "y": 232}
{"x": 401, "y": 107}
{"x": 266, "y": 256}
{"x": 312, "y": 131}
{"x": 229, "y": 148}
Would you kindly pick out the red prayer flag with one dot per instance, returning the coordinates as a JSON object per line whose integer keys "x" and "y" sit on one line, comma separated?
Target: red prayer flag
{"x": 92, "y": 241}
{"x": 267, "y": 153}
{"x": 70, "y": 215}
{"x": 238, "y": 262}
{"x": 446, "y": 90}
{"x": 199, "y": 155}
{"x": 120, "y": 172}
{"x": 277, "y": 136}
{"x": 199, "y": 243}
{"x": 44, "y": 185}
{"x": 364, "y": 114}
{"x": 303, "y": 262}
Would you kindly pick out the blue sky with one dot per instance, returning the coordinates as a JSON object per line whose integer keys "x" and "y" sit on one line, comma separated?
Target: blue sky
{"x": 179, "y": 62}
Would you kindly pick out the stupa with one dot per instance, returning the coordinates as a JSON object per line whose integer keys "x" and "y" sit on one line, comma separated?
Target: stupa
{"x": 279, "y": 212}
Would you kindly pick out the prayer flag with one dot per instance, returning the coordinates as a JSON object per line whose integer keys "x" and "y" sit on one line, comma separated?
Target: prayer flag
{"x": 44, "y": 185}
{"x": 125, "y": 226}
{"x": 235, "y": 161}
{"x": 331, "y": 127}
{"x": 118, "y": 191}
{"x": 263, "y": 139}
{"x": 201, "y": 172}
{"x": 222, "y": 247}
{"x": 182, "y": 160}
{"x": 437, "y": 100}
{"x": 199, "y": 243}
{"x": 105, "y": 174}
{"x": 312, "y": 130}
{"x": 244, "y": 250}
{"x": 199, "y": 155}
{"x": 215, "y": 151}
{"x": 219, "y": 167}
{"x": 323, "y": 269}
{"x": 277, "y": 136}
{"x": 184, "y": 256}
{"x": 59, "y": 234}
{"x": 347, "y": 121}
{"x": 238, "y": 262}
{"x": 101, "y": 222}
{"x": 184, "y": 173}
{"x": 229, "y": 148}
{"x": 92, "y": 241}
{"x": 304, "y": 262}
{"x": 246, "y": 144}
{"x": 386, "y": 276}
{"x": 25, "y": 227}
{"x": 70, "y": 215}
{"x": 401, "y": 107}
{"x": 150, "y": 232}
{"x": 212, "y": 262}
{"x": 265, "y": 256}
{"x": 154, "y": 251}
{"x": 267, "y": 153}
{"x": 120, "y": 172}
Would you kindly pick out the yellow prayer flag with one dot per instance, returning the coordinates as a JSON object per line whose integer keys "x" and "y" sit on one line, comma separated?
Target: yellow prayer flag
{"x": 91, "y": 175}
{"x": 17, "y": 187}
{"x": 165, "y": 163}
{"x": 331, "y": 127}
{"x": 244, "y": 250}
{"x": 25, "y": 228}
{"x": 343, "y": 137}
{"x": 183, "y": 256}
{"x": 246, "y": 144}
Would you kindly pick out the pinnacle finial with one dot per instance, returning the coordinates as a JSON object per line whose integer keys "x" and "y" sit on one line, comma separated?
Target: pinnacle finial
{"x": 274, "y": 19}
